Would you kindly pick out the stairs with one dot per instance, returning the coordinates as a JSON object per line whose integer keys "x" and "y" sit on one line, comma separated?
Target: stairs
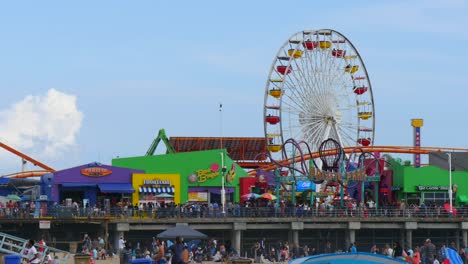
{"x": 15, "y": 245}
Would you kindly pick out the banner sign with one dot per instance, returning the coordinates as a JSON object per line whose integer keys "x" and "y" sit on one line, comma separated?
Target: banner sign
{"x": 198, "y": 197}
{"x": 432, "y": 188}
{"x": 44, "y": 224}
{"x": 304, "y": 185}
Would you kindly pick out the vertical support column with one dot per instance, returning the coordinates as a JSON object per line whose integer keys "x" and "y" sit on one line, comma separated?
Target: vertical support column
{"x": 295, "y": 228}
{"x": 409, "y": 238}
{"x": 352, "y": 237}
{"x": 119, "y": 232}
{"x": 465, "y": 237}
{"x": 277, "y": 189}
{"x": 464, "y": 228}
{"x": 457, "y": 238}
{"x": 409, "y": 227}
{"x": 237, "y": 235}
{"x": 293, "y": 193}
{"x": 352, "y": 227}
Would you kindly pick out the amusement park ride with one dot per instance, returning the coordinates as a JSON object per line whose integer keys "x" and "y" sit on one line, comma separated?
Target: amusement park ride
{"x": 319, "y": 118}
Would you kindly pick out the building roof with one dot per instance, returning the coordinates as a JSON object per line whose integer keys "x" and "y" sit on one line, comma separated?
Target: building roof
{"x": 238, "y": 148}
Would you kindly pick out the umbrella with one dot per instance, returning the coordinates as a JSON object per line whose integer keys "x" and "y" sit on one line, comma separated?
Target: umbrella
{"x": 181, "y": 230}
{"x": 250, "y": 196}
{"x": 164, "y": 195}
{"x": 13, "y": 197}
{"x": 268, "y": 196}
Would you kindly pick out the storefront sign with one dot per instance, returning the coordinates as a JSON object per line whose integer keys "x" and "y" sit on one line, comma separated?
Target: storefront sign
{"x": 95, "y": 171}
{"x": 44, "y": 224}
{"x": 198, "y": 197}
{"x": 213, "y": 172}
{"x": 358, "y": 175}
{"x": 372, "y": 178}
{"x": 157, "y": 182}
{"x": 396, "y": 188}
{"x": 303, "y": 186}
{"x": 431, "y": 188}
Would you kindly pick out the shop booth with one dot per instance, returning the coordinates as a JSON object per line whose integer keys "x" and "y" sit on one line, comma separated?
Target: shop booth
{"x": 428, "y": 184}
{"x": 92, "y": 183}
{"x": 200, "y": 173}
{"x": 156, "y": 187}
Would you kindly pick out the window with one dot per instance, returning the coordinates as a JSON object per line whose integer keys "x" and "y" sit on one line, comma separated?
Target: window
{"x": 437, "y": 197}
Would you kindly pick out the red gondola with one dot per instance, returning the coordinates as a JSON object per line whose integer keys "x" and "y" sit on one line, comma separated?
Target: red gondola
{"x": 360, "y": 90}
{"x": 272, "y": 120}
{"x": 364, "y": 141}
{"x": 310, "y": 45}
{"x": 283, "y": 69}
{"x": 338, "y": 53}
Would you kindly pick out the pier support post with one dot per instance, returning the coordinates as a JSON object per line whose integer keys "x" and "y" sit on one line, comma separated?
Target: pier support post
{"x": 464, "y": 228}
{"x": 119, "y": 232}
{"x": 237, "y": 229}
{"x": 352, "y": 227}
{"x": 409, "y": 227}
{"x": 295, "y": 228}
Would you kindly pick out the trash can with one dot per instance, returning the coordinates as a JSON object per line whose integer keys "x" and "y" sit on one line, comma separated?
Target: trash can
{"x": 82, "y": 258}
{"x": 12, "y": 259}
{"x": 142, "y": 260}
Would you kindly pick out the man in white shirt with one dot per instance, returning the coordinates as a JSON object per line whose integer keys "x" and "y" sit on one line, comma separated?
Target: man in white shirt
{"x": 31, "y": 254}
{"x": 121, "y": 245}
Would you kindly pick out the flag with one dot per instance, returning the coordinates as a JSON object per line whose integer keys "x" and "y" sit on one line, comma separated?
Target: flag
{"x": 453, "y": 256}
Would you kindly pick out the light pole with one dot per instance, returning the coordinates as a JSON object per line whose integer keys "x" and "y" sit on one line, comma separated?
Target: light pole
{"x": 450, "y": 182}
{"x": 223, "y": 168}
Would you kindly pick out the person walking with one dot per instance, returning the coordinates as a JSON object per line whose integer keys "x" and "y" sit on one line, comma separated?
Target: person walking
{"x": 176, "y": 251}
{"x": 32, "y": 256}
{"x": 428, "y": 251}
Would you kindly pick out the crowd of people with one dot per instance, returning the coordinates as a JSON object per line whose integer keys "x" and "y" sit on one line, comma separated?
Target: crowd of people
{"x": 177, "y": 252}
{"x": 426, "y": 253}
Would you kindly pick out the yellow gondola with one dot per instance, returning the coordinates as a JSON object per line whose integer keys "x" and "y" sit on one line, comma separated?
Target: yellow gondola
{"x": 365, "y": 115}
{"x": 295, "y": 53}
{"x": 351, "y": 69}
{"x": 276, "y": 93}
{"x": 274, "y": 148}
{"x": 276, "y": 80}
{"x": 324, "y": 44}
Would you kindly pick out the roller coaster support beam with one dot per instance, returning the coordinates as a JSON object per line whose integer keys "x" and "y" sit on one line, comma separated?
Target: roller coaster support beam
{"x": 26, "y": 157}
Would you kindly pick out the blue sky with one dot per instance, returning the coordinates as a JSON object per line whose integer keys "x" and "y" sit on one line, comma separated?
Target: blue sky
{"x": 121, "y": 70}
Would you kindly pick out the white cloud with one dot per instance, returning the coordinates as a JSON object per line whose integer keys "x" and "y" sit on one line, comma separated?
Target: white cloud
{"x": 44, "y": 125}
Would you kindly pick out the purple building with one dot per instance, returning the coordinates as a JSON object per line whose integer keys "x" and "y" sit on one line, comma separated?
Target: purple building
{"x": 93, "y": 181}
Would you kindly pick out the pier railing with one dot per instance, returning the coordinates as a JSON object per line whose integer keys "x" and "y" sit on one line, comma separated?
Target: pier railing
{"x": 62, "y": 212}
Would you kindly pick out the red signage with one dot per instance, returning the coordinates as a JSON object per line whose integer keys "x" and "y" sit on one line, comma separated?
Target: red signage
{"x": 95, "y": 171}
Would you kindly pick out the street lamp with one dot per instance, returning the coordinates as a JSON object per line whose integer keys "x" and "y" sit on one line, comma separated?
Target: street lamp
{"x": 223, "y": 191}
{"x": 450, "y": 182}
{"x": 223, "y": 168}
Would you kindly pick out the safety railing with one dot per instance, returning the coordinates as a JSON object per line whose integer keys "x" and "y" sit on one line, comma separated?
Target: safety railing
{"x": 61, "y": 212}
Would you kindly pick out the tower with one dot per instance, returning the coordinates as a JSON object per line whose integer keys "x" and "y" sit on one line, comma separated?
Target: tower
{"x": 417, "y": 124}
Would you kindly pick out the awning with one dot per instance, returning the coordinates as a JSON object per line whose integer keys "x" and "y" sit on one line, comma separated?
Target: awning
{"x": 463, "y": 198}
{"x": 77, "y": 184}
{"x": 4, "y": 180}
{"x": 156, "y": 189}
{"x": 116, "y": 188}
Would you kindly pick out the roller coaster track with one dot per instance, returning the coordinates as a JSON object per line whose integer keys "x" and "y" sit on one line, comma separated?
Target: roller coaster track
{"x": 382, "y": 149}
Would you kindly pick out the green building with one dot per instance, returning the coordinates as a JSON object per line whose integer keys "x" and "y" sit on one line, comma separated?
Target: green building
{"x": 200, "y": 173}
{"x": 428, "y": 184}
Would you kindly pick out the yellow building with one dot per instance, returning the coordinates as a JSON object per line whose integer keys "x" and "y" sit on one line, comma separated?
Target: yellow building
{"x": 158, "y": 187}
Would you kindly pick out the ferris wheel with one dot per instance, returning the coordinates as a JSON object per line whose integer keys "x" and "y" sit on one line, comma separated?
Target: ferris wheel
{"x": 318, "y": 88}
